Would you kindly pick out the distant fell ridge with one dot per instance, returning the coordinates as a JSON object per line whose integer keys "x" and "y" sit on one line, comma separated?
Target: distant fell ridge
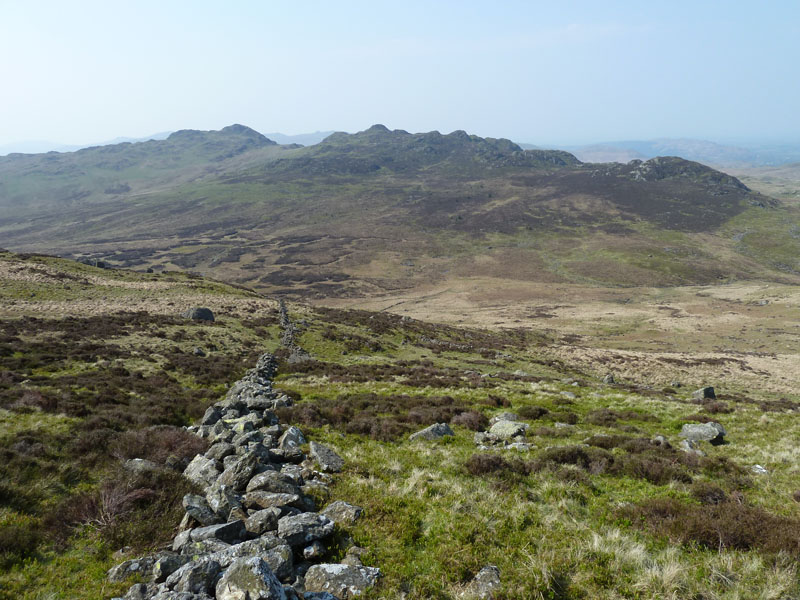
{"x": 384, "y": 210}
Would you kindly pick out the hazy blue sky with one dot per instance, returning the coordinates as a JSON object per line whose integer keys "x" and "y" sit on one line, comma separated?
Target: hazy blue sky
{"x": 542, "y": 72}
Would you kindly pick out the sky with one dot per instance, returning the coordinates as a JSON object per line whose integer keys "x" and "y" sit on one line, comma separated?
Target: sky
{"x": 538, "y": 72}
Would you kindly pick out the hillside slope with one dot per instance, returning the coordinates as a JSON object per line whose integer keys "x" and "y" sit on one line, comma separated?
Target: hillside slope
{"x": 378, "y": 211}
{"x": 97, "y": 367}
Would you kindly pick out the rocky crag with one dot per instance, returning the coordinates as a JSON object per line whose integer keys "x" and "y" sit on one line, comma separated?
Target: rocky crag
{"x": 254, "y": 532}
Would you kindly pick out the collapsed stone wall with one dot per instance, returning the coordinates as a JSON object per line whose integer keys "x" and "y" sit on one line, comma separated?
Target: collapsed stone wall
{"x": 255, "y": 531}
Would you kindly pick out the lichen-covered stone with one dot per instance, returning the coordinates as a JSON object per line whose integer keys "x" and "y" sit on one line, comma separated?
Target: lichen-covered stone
{"x": 343, "y": 581}
{"x": 249, "y": 579}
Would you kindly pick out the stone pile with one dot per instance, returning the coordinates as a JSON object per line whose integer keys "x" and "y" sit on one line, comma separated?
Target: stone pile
{"x": 254, "y": 532}
{"x": 289, "y": 336}
{"x": 506, "y": 432}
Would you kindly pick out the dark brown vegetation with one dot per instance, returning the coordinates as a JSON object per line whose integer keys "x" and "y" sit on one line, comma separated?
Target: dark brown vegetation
{"x": 642, "y": 460}
{"x": 381, "y": 417}
{"x": 75, "y": 366}
{"x": 718, "y": 523}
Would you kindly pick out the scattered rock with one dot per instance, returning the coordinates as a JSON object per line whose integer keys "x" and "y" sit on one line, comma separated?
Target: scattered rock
{"x": 484, "y": 586}
{"x": 759, "y": 470}
{"x": 326, "y": 458}
{"x": 433, "y": 432}
{"x": 704, "y": 393}
{"x": 609, "y": 378}
{"x": 505, "y": 430}
{"x": 704, "y": 432}
{"x": 199, "y": 314}
{"x": 343, "y": 581}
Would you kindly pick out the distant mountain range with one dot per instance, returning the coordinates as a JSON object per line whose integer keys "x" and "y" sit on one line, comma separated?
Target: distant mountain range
{"x": 380, "y": 210}
{"x": 703, "y": 151}
{"x": 38, "y": 147}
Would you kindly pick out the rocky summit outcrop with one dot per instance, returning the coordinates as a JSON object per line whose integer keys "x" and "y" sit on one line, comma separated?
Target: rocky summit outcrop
{"x": 255, "y": 531}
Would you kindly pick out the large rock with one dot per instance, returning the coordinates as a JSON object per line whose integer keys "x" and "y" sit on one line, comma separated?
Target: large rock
{"x": 202, "y": 471}
{"x": 343, "y": 581}
{"x": 249, "y": 579}
{"x": 341, "y": 512}
{"x": 222, "y": 500}
{"x": 505, "y": 430}
{"x": 291, "y": 438}
{"x": 273, "y": 481}
{"x": 229, "y": 533}
{"x": 167, "y": 564}
{"x": 238, "y": 475}
{"x": 198, "y": 313}
{"x": 141, "y": 567}
{"x": 484, "y": 586}
{"x": 262, "y": 521}
{"x": 704, "y": 393}
{"x": 704, "y": 432}
{"x": 212, "y": 415}
{"x": 196, "y": 577}
{"x": 197, "y": 508}
{"x": 272, "y": 549}
{"x": 260, "y": 499}
{"x": 301, "y": 530}
{"x": 433, "y": 432}
{"x": 326, "y": 458}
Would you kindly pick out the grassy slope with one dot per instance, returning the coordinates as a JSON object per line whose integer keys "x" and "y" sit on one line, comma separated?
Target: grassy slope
{"x": 556, "y": 532}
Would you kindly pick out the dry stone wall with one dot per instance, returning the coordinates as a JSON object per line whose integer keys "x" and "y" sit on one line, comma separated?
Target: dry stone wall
{"x": 255, "y": 531}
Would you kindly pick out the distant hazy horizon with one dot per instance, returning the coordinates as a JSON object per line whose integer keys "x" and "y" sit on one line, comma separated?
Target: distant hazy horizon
{"x": 538, "y": 73}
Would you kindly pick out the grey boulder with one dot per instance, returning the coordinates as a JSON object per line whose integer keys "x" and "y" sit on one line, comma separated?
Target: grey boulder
{"x": 196, "y": 577}
{"x": 505, "y": 430}
{"x": 704, "y": 432}
{"x": 197, "y": 508}
{"x": 343, "y": 581}
{"x": 202, "y": 471}
{"x": 249, "y": 579}
{"x": 341, "y": 512}
{"x": 198, "y": 313}
{"x": 273, "y": 481}
{"x": 704, "y": 393}
{"x": 229, "y": 533}
{"x": 301, "y": 530}
{"x": 142, "y": 567}
{"x": 326, "y": 458}
{"x": 433, "y": 432}
{"x": 485, "y": 584}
